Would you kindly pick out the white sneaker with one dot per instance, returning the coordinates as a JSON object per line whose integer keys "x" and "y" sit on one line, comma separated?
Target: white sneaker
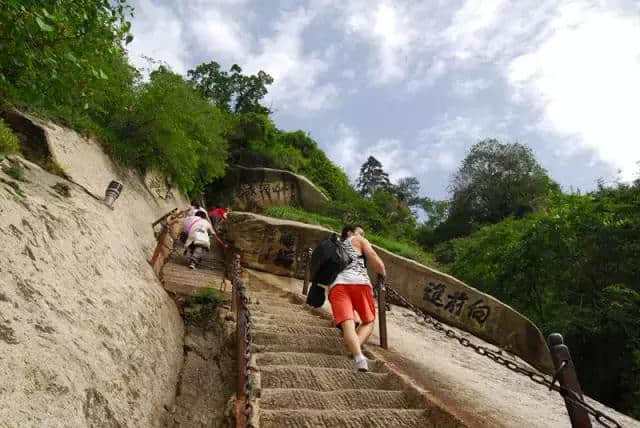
{"x": 192, "y": 265}
{"x": 362, "y": 365}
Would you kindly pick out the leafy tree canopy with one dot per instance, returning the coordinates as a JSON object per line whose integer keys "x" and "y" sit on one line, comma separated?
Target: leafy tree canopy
{"x": 406, "y": 190}
{"x": 572, "y": 268}
{"x": 67, "y": 52}
{"x": 372, "y": 177}
{"x": 232, "y": 91}
{"x": 497, "y": 180}
{"x": 172, "y": 128}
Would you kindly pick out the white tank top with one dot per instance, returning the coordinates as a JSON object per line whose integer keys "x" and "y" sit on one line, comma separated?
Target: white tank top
{"x": 355, "y": 272}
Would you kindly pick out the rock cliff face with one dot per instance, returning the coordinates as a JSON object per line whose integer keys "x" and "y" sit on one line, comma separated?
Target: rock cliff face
{"x": 256, "y": 189}
{"x": 88, "y": 337}
{"x": 278, "y": 246}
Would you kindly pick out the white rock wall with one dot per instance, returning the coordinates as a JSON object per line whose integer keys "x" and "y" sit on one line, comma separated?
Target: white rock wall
{"x": 88, "y": 336}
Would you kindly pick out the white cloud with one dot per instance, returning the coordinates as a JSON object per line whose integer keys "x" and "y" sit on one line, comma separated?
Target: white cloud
{"x": 467, "y": 88}
{"x": 296, "y": 73}
{"x": 427, "y": 74}
{"x": 219, "y": 35}
{"x": 345, "y": 150}
{"x": 159, "y": 35}
{"x": 585, "y": 75}
{"x": 392, "y": 29}
{"x": 223, "y": 32}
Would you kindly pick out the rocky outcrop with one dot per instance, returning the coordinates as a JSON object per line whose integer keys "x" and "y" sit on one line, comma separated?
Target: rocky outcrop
{"x": 83, "y": 161}
{"x": 256, "y": 189}
{"x": 278, "y": 246}
{"x": 88, "y": 337}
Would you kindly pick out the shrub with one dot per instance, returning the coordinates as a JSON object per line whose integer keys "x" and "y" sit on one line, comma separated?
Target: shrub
{"x": 173, "y": 129}
{"x": 202, "y": 304}
{"x": 8, "y": 140}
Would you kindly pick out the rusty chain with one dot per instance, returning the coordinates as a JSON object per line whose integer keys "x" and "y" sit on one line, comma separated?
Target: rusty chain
{"x": 538, "y": 378}
{"x": 248, "y": 339}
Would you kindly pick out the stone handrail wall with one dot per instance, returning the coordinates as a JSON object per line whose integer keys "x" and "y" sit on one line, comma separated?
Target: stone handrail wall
{"x": 277, "y": 246}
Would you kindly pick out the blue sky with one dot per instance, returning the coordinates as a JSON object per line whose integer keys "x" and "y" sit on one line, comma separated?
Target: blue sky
{"x": 416, "y": 83}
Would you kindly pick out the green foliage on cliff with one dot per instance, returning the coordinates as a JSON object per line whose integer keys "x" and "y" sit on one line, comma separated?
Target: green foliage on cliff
{"x": 572, "y": 268}
{"x": 66, "y": 56}
{"x": 406, "y": 248}
{"x": 169, "y": 126}
{"x": 8, "y": 141}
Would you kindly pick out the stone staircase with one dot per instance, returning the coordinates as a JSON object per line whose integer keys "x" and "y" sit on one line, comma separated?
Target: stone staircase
{"x": 307, "y": 379}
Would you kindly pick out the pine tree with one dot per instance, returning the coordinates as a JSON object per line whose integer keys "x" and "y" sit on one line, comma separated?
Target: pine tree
{"x": 372, "y": 177}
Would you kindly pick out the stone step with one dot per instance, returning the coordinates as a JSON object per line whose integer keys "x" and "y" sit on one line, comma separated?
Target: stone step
{"x": 283, "y": 309}
{"x": 273, "y": 342}
{"x": 269, "y": 298}
{"x": 312, "y": 360}
{"x": 370, "y": 418}
{"x": 355, "y": 399}
{"x": 324, "y": 379}
{"x": 285, "y": 318}
{"x": 300, "y": 330}
{"x": 309, "y": 320}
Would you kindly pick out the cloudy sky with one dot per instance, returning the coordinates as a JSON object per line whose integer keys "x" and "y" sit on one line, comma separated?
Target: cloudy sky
{"x": 416, "y": 83}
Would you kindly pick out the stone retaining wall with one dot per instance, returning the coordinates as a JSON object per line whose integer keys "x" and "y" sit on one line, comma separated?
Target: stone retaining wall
{"x": 277, "y": 246}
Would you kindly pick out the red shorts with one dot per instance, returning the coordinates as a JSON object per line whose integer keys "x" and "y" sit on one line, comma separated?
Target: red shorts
{"x": 345, "y": 299}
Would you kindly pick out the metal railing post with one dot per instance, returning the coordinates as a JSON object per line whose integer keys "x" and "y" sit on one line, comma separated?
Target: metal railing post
{"x": 241, "y": 350}
{"x": 307, "y": 271}
{"x": 382, "y": 312}
{"x": 566, "y": 375}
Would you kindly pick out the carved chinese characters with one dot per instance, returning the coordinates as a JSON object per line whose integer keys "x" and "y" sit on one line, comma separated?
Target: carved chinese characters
{"x": 456, "y": 303}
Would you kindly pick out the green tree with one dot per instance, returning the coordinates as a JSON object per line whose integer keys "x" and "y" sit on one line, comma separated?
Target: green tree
{"x": 172, "y": 128}
{"x": 495, "y": 180}
{"x": 572, "y": 268}
{"x": 232, "y": 91}
{"x": 407, "y": 191}
{"x": 372, "y": 177}
{"x": 437, "y": 212}
{"x": 65, "y": 55}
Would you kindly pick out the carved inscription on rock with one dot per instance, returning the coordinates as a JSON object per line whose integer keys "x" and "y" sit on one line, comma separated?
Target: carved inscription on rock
{"x": 456, "y": 303}
{"x": 265, "y": 194}
{"x": 279, "y": 249}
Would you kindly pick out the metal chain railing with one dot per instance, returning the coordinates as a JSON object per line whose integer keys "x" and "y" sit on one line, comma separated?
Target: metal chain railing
{"x": 244, "y": 387}
{"x": 536, "y": 377}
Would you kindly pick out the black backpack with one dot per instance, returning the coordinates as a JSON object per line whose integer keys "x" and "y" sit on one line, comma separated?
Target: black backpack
{"x": 328, "y": 259}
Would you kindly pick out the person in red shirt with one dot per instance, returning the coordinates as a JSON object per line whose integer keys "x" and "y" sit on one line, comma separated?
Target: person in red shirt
{"x": 218, "y": 216}
{"x": 219, "y": 213}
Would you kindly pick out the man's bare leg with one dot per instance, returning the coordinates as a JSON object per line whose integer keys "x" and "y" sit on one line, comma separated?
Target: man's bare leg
{"x": 351, "y": 339}
{"x": 363, "y": 332}
{"x": 352, "y": 342}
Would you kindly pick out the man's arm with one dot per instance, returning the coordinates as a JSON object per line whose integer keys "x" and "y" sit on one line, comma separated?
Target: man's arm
{"x": 215, "y": 235}
{"x": 372, "y": 257}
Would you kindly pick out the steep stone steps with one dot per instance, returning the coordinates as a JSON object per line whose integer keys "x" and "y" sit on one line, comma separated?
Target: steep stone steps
{"x": 303, "y": 359}
{"x": 282, "y": 320}
{"x": 283, "y": 309}
{"x": 294, "y": 329}
{"x": 273, "y": 342}
{"x": 370, "y": 418}
{"x": 307, "y": 379}
{"x": 324, "y": 379}
{"x": 278, "y": 399}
